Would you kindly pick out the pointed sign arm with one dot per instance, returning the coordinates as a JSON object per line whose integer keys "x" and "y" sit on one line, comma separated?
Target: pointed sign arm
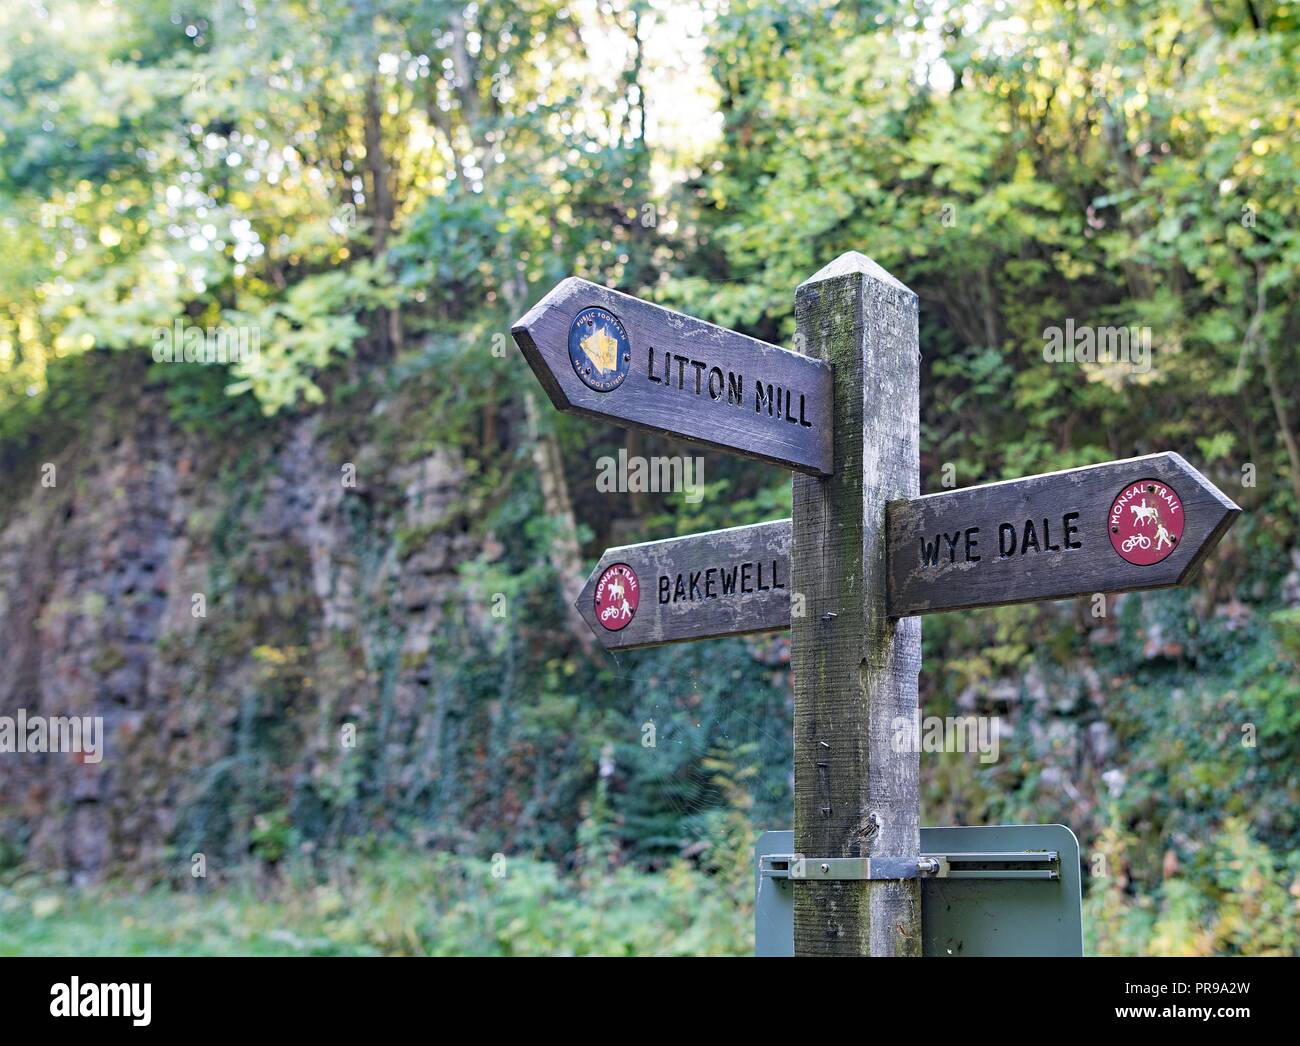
{"x": 1019, "y": 541}
{"x": 720, "y": 583}
{"x": 616, "y": 358}
{"x": 1141, "y": 523}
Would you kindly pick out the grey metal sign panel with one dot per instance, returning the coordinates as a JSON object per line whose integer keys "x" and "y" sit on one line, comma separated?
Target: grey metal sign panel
{"x": 999, "y": 916}
{"x": 978, "y": 908}
{"x": 773, "y": 900}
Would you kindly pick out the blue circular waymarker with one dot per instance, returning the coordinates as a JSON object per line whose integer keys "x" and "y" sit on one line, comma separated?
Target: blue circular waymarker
{"x": 599, "y": 349}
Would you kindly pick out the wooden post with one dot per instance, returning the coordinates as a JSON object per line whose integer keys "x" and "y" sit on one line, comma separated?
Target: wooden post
{"x": 855, "y": 670}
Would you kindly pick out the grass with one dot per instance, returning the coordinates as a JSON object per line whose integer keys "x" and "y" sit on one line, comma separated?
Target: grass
{"x": 393, "y": 904}
{"x": 400, "y": 902}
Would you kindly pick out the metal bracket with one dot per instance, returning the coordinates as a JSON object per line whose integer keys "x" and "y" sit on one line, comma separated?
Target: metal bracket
{"x": 1005, "y": 864}
{"x": 796, "y": 866}
{"x": 1045, "y": 864}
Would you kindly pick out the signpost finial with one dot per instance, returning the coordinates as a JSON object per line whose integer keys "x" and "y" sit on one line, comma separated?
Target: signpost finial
{"x": 851, "y": 262}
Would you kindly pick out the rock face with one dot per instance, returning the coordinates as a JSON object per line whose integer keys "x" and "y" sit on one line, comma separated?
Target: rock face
{"x": 249, "y": 627}
{"x": 278, "y": 630}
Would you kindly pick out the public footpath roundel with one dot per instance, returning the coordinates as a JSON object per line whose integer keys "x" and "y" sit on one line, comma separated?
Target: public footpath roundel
{"x": 1146, "y": 522}
{"x": 617, "y": 594}
{"x": 599, "y": 349}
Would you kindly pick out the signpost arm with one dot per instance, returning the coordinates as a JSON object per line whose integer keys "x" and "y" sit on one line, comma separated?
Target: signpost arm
{"x": 856, "y": 669}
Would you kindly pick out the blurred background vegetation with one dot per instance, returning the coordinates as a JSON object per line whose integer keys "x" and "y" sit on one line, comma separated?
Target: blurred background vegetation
{"x": 378, "y": 187}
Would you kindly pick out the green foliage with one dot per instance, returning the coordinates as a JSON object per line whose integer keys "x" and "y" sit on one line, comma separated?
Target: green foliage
{"x": 155, "y": 165}
{"x": 454, "y": 251}
{"x": 1246, "y": 906}
{"x": 197, "y": 401}
{"x": 301, "y": 334}
{"x": 1143, "y": 181}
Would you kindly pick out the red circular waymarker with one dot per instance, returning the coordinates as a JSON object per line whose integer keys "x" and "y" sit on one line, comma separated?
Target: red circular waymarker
{"x": 617, "y": 594}
{"x": 1146, "y": 522}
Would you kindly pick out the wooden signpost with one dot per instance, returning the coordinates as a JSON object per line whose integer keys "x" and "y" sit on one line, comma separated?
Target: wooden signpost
{"x": 863, "y": 557}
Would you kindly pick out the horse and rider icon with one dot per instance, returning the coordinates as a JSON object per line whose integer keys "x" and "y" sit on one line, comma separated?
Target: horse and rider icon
{"x": 1144, "y": 513}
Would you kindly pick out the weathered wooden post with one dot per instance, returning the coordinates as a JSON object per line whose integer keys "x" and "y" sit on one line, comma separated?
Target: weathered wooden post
{"x": 855, "y": 669}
